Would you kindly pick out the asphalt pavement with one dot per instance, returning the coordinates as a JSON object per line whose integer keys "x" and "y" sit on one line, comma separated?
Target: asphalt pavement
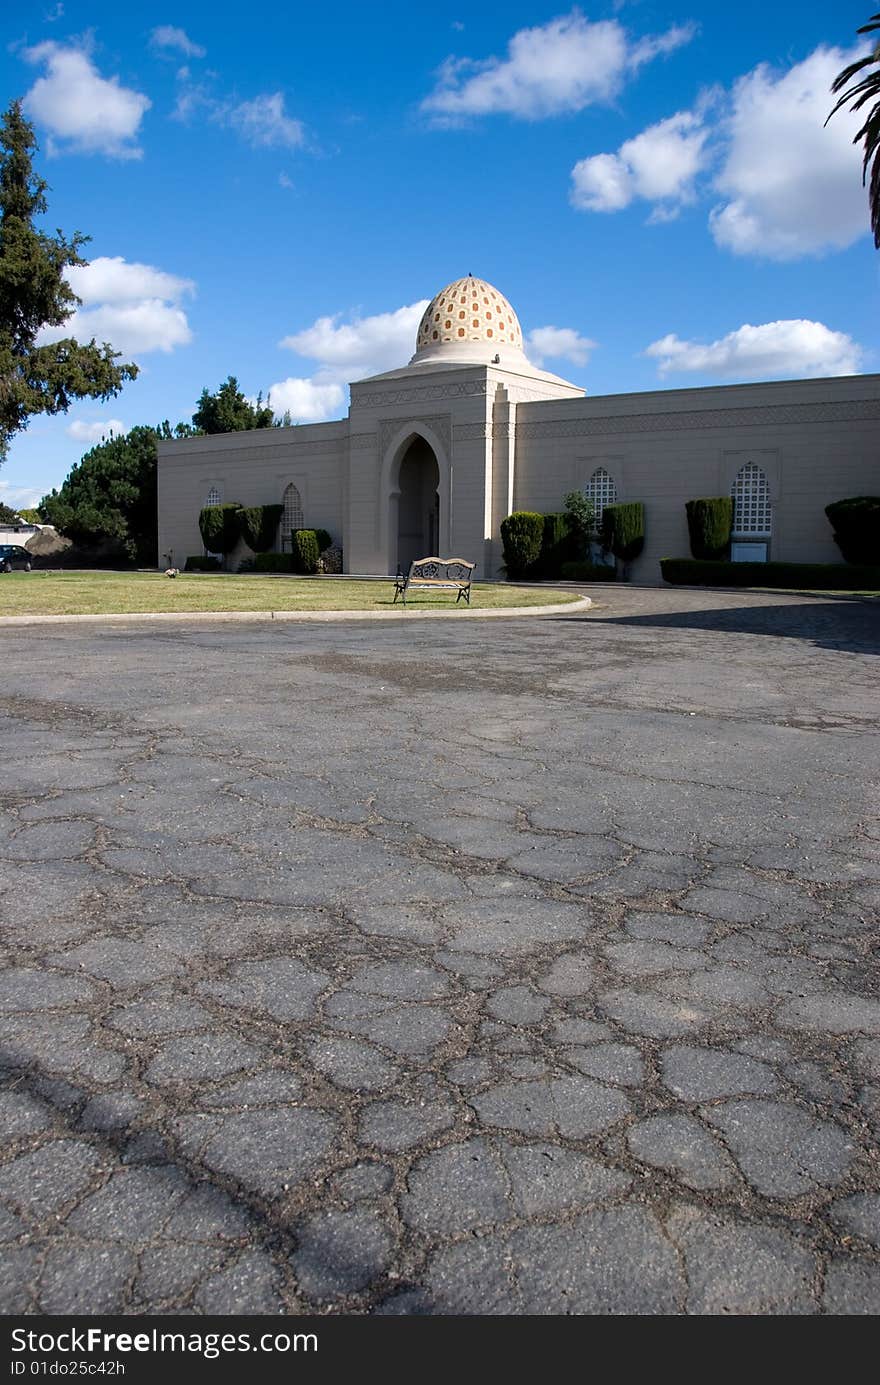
{"x": 520, "y": 966}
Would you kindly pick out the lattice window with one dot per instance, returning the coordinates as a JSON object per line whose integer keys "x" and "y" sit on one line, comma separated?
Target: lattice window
{"x": 292, "y": 516}
{"x": 213, "y": 496}
{"x": 751, "y": 502}
{"x": 601, "y": 490}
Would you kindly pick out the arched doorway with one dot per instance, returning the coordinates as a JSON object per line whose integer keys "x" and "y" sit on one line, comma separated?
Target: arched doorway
{"x": 418, "y": 506}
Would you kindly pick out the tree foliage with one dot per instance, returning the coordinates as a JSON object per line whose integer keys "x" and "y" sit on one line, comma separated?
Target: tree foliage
{"x": 30, "y": 516}
{"x": 581, "y": 513}
{"x": 229, "y": 411}
{"x": 39, "y": 379}
{"x": 8, "y": 516}
{"x": 109, "y": 498}
{"x": 857, "y": 94}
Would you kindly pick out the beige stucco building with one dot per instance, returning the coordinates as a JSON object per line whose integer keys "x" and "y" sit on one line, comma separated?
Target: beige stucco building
{"x": 433, "y": 456}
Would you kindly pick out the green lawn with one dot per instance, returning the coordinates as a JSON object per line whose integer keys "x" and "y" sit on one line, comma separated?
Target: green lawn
{"x": 124, "y": 593}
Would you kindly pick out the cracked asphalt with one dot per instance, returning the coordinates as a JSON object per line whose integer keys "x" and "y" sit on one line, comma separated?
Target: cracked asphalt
{"x": 524, "y": 966}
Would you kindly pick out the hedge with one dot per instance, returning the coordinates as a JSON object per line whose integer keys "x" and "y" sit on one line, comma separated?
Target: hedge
{"x": 272, "y": 562}
{"x": 710, "y": 524}
{"x": 325, "y": 540}
{"x": 803, "y": 576}
{"x": 200, "y": 562}
{"x": 588, "y": 572}
{"x": 522, "y": 534}
{"x": 305, "y": 551}
{"x": 258, "y": 525}
{"x": 219, "y": 527}
{"x": 856, "y": 524}
{"x": 623, "y": 530}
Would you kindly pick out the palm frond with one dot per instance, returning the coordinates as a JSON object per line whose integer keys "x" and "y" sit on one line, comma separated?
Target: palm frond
{"x": 856, "y": 95}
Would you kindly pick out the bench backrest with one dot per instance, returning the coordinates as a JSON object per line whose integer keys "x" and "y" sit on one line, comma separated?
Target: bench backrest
{"x": 440, "y": 570}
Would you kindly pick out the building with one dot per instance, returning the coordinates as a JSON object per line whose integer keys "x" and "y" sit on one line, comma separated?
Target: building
{"x": 433, "y": 456}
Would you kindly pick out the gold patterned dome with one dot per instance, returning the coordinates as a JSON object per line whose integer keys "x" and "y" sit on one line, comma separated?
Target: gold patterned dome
{"x": 465, "y": 312}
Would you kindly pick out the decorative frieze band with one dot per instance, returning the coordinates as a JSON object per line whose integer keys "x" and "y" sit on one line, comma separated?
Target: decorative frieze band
{"x": 767, "y": 415}
{"x": 468, "y": 431}
{"x": 419, "y": 394}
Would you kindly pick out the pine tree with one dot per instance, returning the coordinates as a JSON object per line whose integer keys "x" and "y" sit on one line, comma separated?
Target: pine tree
{"x": 39, "y": 379}
{"x": 229, "y": 411}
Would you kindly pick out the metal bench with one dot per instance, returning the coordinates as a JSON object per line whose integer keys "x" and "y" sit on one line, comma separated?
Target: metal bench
{"x": 428, "y": 574}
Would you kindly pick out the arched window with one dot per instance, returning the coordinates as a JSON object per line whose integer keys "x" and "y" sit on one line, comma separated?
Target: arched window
{"x": 751, "y": 503}
{"x": 601, "y": 490}
{"x": 213, "y": 496}
{"x": 291, "y": 516}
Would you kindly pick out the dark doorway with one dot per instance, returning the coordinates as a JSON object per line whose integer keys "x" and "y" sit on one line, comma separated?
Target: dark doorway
{"x": 418, "y": 509}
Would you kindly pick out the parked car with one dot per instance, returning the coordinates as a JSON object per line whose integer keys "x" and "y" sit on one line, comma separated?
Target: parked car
{"x": 13, "y": 555}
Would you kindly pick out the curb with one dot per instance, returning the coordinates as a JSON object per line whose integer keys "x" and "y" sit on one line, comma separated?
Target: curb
{"x": 497, "y": 613}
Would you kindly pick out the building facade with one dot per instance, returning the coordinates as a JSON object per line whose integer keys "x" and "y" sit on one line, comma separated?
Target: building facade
{"x": 433, "y": 456}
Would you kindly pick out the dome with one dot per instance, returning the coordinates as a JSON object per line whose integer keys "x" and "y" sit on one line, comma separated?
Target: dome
{"x": 469, "y": 320}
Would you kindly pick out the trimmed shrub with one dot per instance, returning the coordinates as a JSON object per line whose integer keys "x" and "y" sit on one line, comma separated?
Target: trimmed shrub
{"x": 802, "y": 576}
{"x": 522, "y": 534}
{"x": 305, "y": 551}
{"x": 710, "y": 524}
{"x": 219, "y": 527}
{"x": 558, "y": 545}
{"x": 273, "y": 562}
{"x": 325, "y": 540}
{"x": 588, "y": 572}
{"x": 258, "y": 525}
{"x": 200, "y": 562}
{"x": 623, "y": 530}
{"x": 856, "y": 525}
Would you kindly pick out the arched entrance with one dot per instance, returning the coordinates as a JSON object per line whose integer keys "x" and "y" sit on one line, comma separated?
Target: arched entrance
{"x": 418, "y": 506}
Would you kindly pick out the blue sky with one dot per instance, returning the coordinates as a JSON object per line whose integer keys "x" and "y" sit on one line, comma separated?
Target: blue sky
{"x": 274, "y": 193}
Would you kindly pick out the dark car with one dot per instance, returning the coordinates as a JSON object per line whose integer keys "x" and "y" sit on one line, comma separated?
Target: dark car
{"x": 12, "y": 555}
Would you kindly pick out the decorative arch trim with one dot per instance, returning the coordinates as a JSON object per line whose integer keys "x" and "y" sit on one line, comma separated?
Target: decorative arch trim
{"x": 397, "y": 444}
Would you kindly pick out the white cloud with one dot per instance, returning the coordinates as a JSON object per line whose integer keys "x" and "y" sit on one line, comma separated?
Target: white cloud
{"x": 136, "y": 307}
{"x": 166, "y": 36}
{"x": 552, "y": 69}
{"x": 365, "y": 346}
{"x": 265, "y": 122}
{"x": 306, "y": 400}
{"x": 343, "y": 351}
{"x": 97, "y": 431}
{"x": 562, "y": 342}
{"x": 285, "y": 181}
{"x": 19, "y": 497}
{"x": 84, "y": 112}
{"x": 111, "y": 279}
{"x": 796, "y": 347}
{"x": 659, "y": 165}
{"x": 794, "y": 184}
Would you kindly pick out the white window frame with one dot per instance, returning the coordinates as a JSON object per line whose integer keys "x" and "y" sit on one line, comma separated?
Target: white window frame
{"x": 752, "y": 506}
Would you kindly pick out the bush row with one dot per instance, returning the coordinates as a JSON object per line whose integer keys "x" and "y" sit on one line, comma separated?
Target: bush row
{"x": 543, "y": 546}
{"x": 803, "y": 576}
{"x": 587, "y": 572}
{"x": 222, "y": 526}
